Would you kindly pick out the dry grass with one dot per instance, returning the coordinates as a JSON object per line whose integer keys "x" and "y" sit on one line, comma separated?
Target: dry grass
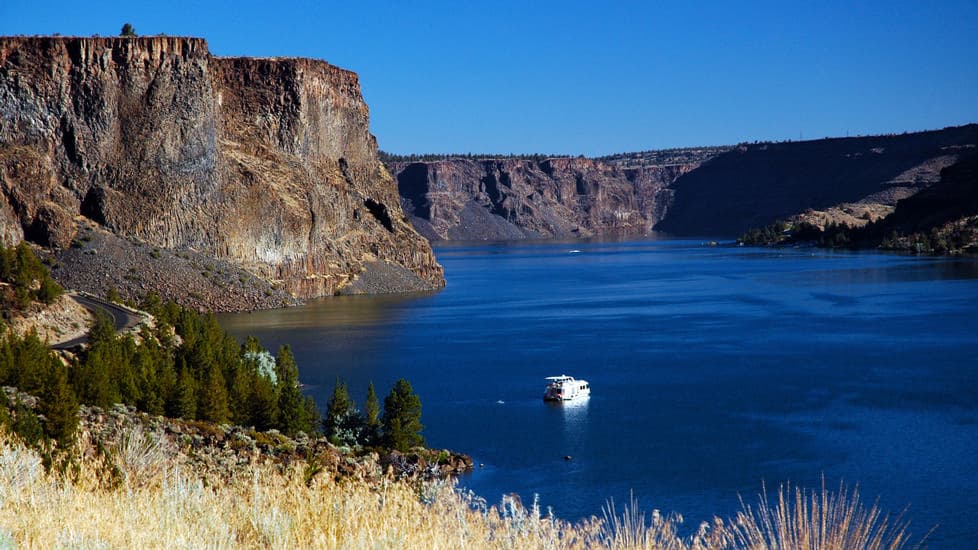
{"x": 154, "y": 503}
{"x": 816, "y": 520}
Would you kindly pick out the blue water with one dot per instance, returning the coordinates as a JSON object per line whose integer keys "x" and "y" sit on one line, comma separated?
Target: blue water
{"x": 713, "y": 370}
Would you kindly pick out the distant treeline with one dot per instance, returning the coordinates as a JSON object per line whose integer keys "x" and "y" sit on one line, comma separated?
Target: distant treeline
{"x": 937, "y": 240}
{"x": 388, "y": 158}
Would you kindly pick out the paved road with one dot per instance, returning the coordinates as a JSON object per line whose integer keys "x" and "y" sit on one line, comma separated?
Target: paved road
{"x": 122, "y": 318}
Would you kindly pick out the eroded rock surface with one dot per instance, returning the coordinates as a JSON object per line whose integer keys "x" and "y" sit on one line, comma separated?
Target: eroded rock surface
{"x": 267, "y": 164}
{"x": 501, "y": 199}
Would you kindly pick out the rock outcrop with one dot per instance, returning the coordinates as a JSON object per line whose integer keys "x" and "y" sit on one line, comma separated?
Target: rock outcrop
{"x": 498, "y": 199}
{"x": 264, "y": 163}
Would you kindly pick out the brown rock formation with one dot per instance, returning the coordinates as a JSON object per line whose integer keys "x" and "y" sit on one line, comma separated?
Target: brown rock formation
{"x": 461, "y": 199}
{"x": 266, "y": 163}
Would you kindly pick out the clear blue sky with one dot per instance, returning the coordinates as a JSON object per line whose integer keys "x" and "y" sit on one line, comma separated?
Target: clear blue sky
{"x": 592, "y": 77}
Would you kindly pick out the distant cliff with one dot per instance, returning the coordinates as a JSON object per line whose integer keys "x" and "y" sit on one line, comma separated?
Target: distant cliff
{"x": 719, "y": 191}
{"x": 489, "y": 199}
{"x": 265, "y": 164}
{"x": 754, "y": 185}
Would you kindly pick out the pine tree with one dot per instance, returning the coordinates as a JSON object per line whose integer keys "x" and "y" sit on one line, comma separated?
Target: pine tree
{"x": 213, "y": 397}
{"x": 183, "y": 402}
{"x": 338, "y": 408}
{"x": 402, "y": 417}
{"x": 263, "y": 404}
{"x": 372, "y": 413}
{"x": 344, "y": 424}
{"x": 291, "y": 412}
{"x": 27, "y": 425}
{"x": 59, "y": 406}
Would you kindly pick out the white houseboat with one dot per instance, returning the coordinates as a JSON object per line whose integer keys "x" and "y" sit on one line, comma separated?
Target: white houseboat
{"x": 566, "y": 388}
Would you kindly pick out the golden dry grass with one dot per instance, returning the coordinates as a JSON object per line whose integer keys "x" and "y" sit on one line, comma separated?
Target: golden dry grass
{"x": 153, "y": 503}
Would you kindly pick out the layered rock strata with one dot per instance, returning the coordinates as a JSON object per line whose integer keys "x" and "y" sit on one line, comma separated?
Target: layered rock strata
{"x": 268, "y": 164}
{"x": 498, "y": 199}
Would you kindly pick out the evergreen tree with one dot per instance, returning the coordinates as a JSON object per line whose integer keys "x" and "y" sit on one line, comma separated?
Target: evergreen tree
{"x": 150, "y": 362}
{"x": 213, "y": 398}
{"x": 27, "y": 425}
{"x": 401, "y": 420}
{"x": 312, "y": 417}
{"x": 60, "y": 407}
{"x": 105, "y": 366}
{"x": 29, "y": 358}
{"x": 291, "y": 409}
{"x": 127, "y": 30}
{"x": 263, "y": 404}
{"x": 338, "y": 407}
{"x": 344, "y": 425}
{"x": 372, "y": 414}
{"x": 183, "y": 402}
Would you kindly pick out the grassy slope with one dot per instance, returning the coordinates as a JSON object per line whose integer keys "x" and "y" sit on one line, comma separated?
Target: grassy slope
{"x": 134, "y": 496}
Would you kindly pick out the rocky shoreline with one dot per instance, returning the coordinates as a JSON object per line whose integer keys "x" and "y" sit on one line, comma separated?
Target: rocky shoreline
{"x": 218, "y": 453}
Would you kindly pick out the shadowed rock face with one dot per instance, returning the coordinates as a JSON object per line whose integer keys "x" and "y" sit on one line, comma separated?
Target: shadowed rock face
{"x": 755, "y": 185}
{"x": 266, "y": 163}
{"x": 492, "y": 199}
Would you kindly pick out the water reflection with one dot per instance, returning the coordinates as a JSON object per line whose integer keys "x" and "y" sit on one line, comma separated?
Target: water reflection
{"x": 339, "y": 311}
{"x": 574, "y": 414}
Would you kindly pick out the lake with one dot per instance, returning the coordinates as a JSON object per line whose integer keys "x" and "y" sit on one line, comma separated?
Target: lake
{"x": 713, "y": 370}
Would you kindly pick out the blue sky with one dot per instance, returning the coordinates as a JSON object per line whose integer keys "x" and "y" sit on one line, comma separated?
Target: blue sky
{"x": 593, "y": 77}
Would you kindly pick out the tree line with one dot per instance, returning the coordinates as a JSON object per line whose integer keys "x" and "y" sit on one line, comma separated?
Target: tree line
{"x": 186, "y": 366}
{"x": 24, "y": 279}
{"x": 388, "y": 158}
{"x": 398, "y": 427}
{"x": 875, "y": 234}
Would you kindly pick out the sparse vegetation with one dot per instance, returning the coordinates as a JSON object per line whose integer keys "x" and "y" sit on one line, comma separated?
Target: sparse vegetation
{"x": 388, "y": 158}
{"x": 24, "y": 279}
{"x": 133, "y": 495}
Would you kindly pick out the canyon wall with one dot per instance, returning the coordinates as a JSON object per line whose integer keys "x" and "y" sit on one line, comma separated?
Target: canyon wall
{"x": 712, "y": 191}
{"x": 497, "y": 199}
{"x": 267, "y": 164}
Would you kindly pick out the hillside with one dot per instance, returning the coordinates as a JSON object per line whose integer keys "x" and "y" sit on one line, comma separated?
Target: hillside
{"x": 264, "y": 165}
{"x": 754, "y": 185}
{"x": 706, "y": 191}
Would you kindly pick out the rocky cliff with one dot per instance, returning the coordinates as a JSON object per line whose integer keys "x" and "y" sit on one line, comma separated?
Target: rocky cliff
{"x": 712, "y": 191}
{"x": 491, "y": 199}
{"x": 267, "y": 164}
{"x": 754, "y": 185}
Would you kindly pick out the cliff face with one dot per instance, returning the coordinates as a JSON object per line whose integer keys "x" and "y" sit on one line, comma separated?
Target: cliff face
{"x": 755, "y": 185}
{"x": 462, "y": 199}
{"x": 712, "y": 191}
{"x": 266, "y": 163}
